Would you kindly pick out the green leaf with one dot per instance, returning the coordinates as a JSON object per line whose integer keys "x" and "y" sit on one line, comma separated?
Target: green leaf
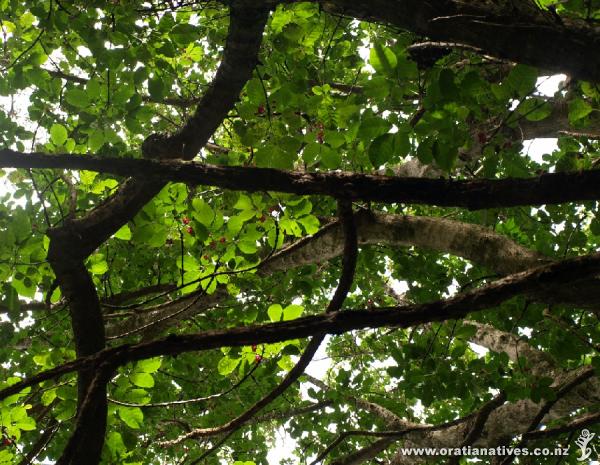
{"x": 93, "y": 89}
{"x": 98, "y": 264}
{"x": 143, "y": 380}
{"x": 157, "y": 88}
{"x": 331, "y": 158}
{"x": 291, "y": 312}
{"x": 578, "y": 109}
{"x": 522, "y": 79}
{"x": 445, "y": 155}
{"x": 203, "y": 213}
{"x": 115, "y": 444}
{"x": 273, "y": 157}
{"x": 96, "y": 140}
{"x": 275, "y": 312}
{"x": 48, "y": 396}
{"x": 124, "y": 233}
{"x": 226, "y": 365}
{"x": 131, "y": 416}
{"x": 153, "y": 235}
{"x": 58, "y": 134}
{"x": 447, "y": 85}
{"x": 150, "y": 365}
{"x": 382, "y": 149}
{"x": 372, "y": 127}
{"x": 183, "y": 34}
{"x": 535, "y": 109}
{"x": 382, "y": 59}
{"x": 243, "y": 203}
{"x": 78, "y": 98}
{"x": 247, "y": 246}
{"x": 310, "y": 223}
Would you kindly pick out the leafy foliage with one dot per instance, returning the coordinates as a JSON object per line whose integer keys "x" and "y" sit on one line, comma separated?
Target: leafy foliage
{"x": 330, "y": 93}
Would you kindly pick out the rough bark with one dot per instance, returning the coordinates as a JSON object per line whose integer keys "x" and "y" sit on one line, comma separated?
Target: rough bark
{"x": 472, "y": 242}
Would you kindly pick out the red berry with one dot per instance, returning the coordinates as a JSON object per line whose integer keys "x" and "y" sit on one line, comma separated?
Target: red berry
{"x": 253, "y": 347}
{"x": 213, "y": 244}
{"x": 190, "y": 230}
{"x": 320, "y": 137}
{"x": 222, "y": 240}
{"x": 257, "y": 358}
{"x": 262, "y": 218}
{"x": 261, "y": 109}
{"x": 206, "y": 257}
{"x": 186, "y": 220}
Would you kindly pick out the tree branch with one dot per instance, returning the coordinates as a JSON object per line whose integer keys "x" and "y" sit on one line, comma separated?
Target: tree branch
{"x": 338, "y": 322}
{"x": 530, "y": 36}
{"x": 549, "y": 188}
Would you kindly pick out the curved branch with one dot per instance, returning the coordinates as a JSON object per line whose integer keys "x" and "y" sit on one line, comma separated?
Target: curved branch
{"x": 239, "y": 59}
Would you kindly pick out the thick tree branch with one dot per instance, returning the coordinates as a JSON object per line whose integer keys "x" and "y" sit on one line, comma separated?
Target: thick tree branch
{"x": 512, "y": 345}
{"x": 517, "y": 31}
{"x": 338, "y": 322}
{"x": 88, "y": 330}
{"x": 77, "y": 238}
{"x": 550, "y": 188}
{"x": 475, "y": 243}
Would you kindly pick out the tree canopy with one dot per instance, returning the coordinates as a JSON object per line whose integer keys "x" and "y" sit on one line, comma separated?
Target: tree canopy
{"x": 202, "y": 197}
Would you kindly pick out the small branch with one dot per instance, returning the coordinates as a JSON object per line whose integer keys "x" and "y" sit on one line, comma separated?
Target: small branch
{"x": 479, "y": 423}
{"x": 72, "y": 196}
{"x": 570, "y": 329}
{"x": 41, "y": 443}
{"x": 584, "y": 375}
{"x": 237, "y": 422}
{"x": 187, "y": 401}
{"x": 115, "y": 300}
{"x": 580, "y": 422}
